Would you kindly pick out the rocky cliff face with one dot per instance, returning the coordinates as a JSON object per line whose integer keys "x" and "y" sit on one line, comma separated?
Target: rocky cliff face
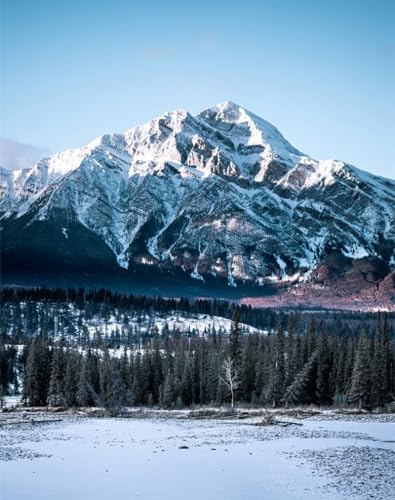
{"x": 218, "y": 197}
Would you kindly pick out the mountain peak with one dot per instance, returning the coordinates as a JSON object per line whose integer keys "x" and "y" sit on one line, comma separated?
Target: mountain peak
{"x": 221, "y": 194}
{"x": 227, "y": 111}
{"x": 248, "y": 129}
{"x": 228, "y": 106}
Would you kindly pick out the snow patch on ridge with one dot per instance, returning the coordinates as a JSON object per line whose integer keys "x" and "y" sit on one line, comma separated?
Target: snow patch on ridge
{"x": 355, "y": 251}
{"x": 231, "y": 280}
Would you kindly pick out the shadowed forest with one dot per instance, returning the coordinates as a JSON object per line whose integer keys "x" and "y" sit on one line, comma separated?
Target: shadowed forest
{"x": 52, "y": 355}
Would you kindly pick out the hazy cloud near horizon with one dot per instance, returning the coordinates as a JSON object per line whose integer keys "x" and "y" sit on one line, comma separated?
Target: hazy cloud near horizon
{"x": 16, "y": 155}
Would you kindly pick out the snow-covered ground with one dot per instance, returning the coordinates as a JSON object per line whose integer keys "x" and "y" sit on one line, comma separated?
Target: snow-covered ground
{"x": 200, "y": 324}
{"x": 197, "y": 459}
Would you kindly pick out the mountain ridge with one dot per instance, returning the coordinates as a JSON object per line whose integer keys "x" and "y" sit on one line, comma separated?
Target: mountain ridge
{"x": 218, "y": 195}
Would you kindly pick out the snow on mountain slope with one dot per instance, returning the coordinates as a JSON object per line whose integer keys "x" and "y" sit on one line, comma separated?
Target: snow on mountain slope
{"x": 221, "y": 194}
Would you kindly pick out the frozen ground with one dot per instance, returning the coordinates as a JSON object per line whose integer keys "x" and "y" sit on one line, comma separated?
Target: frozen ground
{"x": 152, "y": 458}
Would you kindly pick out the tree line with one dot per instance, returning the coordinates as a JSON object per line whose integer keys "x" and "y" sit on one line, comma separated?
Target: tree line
{"x": 296, "y": 363}
{"x": 25, "y": 311}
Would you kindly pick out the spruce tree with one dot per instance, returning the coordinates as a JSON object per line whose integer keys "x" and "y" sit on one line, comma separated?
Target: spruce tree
{"x": 248, "y": 374}
{"x": 137, "y": 393}
{"x": 186, "y": 390}
{"x": 261, "y": 371}
{"x": 221, "y": 392}
{"x": 235, "y": 340}
{"x": 277, "y": 368}
{"x": 388, "y": 366}
{"x": 84, "y": 387}
{"x": 56, "y": 393}
{"x": 348, "y": 364}
{"x": 340, "y": 372}
{"x": 360, "y": 381}
{"x": 71, "y": 378}
{"x": 212, "y": 377}
{"x": 297, "y": 392}
{"x": 168, "y": 391}
{"x": 146, "y": 376}
{"x": 105, "y": 373}
{"x": 157, "y": 370}
{"x": 116, "y": 397}
{"x": 379, "y": 380}
{"x": 323, "y": 371}
{"x": 2, "y": 396}
{"x": 36, "y": 379}
{"x": 291, "y": 350}
{"x": 310, "y": 343}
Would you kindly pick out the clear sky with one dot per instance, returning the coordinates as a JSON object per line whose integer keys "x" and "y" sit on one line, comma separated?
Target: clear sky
{"x": 323, "y": 72}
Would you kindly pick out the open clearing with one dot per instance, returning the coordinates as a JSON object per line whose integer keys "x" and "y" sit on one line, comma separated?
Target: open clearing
{"x": 167, "y": 458}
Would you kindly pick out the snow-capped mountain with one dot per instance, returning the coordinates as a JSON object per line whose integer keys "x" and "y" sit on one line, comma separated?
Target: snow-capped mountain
{"x": 219, "y": 197}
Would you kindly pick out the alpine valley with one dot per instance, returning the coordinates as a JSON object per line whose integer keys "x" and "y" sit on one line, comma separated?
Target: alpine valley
{"x": 218, "y": 204}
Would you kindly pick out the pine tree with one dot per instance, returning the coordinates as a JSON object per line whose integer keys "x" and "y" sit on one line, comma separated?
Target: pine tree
{"x": 360, "y": 381}
{"x": 84, "y": 388}
{"x": 341, "y": 364}
{"x": 157, "y": 370}
{"x": 379, "y": 380}
{"x": 212, "y": 377}
{"x": 261, "y": 371}
{"x": 291, "y": 350}
{"x": 297, "y": 392}
{"x": 56, "y": 393}
{"x": 186, "y": 390}
{"x": 168, "y": 391}
{"x": 389, "y": 353}
{"x": 388, "y": 366}
{"x": 137, "y": 393}
{"x": 235, "y": 340}
{"x": 203, "y": 370}
{"x": 333, "y": 349}
{"x": 146, "y": 377}
{"x": 348, "y": 364}
{"x": 2, "y": 396}
{"x": 124, "y": 366}
{"x": 105, "y": 379}
{"x": 310, "y": 343}
{"x": 248, "y": 374}
{"x": 116, "y": 397}
{"x": 36, "y": 379}
{"x": 323, "y": 371}
{"x": 221, "y": 392}
{"x": 277, "y": 368}
{"x": 71, "y": 378}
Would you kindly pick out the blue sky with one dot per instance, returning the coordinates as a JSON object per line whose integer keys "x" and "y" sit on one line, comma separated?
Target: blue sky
{"x": 322, "y": 71}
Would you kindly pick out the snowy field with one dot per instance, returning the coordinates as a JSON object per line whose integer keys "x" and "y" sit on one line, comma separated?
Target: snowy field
{"x": 199, "y": 324}
{"x": 157, "y": 458}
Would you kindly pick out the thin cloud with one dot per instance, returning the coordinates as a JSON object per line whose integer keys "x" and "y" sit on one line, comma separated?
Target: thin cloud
{"x": 15, "y": 155}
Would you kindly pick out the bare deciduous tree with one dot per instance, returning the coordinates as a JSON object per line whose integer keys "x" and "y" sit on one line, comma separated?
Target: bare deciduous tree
{"x": 231, "y": 377}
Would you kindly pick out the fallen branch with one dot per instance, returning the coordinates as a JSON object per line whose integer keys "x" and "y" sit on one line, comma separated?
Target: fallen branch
{"x": 18, "y": 422}
{"x": 286, "y": 424}
{"x": 269, "y": 419}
